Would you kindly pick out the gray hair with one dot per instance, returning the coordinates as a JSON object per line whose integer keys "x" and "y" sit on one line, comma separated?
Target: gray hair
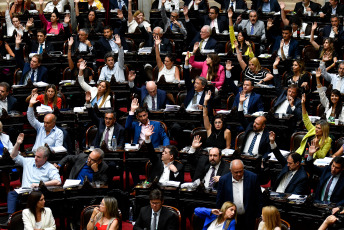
{"x": 208, "y": 28}
{"x": 230, "y": 165}
{"x": 100, "y": 152}
{"x": 203, "y": 80}
{"x": 44, "y": 150}
{"x": 341, "y": 63}
{"x": 161, "y": 31}
{"x": 84, "y": 30}
{"x": 175, "y": 11}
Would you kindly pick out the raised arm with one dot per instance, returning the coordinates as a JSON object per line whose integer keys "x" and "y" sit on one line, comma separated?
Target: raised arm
{"x": 322, "y": 94}
{"x": 130, "y": 11}
{"x": 70, "y": 61}
{"x": 283, "y": 15}
{"x": 303, "y": 103}
{"x": 120, "y": 52}
{"x": 206, "y": 121}
{"x": 81, "y": 79}
{"x": 163, "y": 12}
{"x": 9, "y": 50}
{"x": 157, "y": 52}
{"x": 15, "y": 149}
{"x": 40, "y": 9}
{"x": 239, "y": 56}
{"x": 314, "y": 44}
{"x": 76, "y": 7}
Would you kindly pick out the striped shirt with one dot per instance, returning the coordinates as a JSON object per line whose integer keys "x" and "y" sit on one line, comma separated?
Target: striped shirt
{"x": 255, "y": 77}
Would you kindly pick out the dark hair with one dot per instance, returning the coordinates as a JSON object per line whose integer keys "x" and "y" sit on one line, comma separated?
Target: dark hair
{"x": 217, "y": 10}
{"x": 295, "y": 19}
{"x": 108, "y": 27}
{"x": 32, "y": 201}
{"x": 156, "y": 194}
{"x": 142, "y": 109}
{"x": 251, "y": 80}
{"x": 173, "y": 150}
{"x": 212, "y": 70}
{"x": 39, "y": 58}
{"x": 294, "y": 86}
{"x": 245, "y": 35}
{"x": 43, "y": 31}
{"x": 107, "y": 55}
{"x": 5, "y": 85}
{"x": 46, "y": 100}
{"x": 95, "y": 14}
{"x": 171, "y": 57}
{"x": 335, "y": 16}
{"x": 339, "y": 106}
{"x": 221, "y": 117}
{"x": 203, "y": 80}
{"x": 339, "y": 160}
{"x": 287, "y": 28}
{"x": 56, "y": 12}
{"x": 296, "y": 157}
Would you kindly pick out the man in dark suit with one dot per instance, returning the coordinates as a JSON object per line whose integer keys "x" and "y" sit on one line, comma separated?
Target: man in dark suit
{"x": 82, "y": 44}
{"x": 235, "y": 4}
{"x": 164, "y": 168}
{"x": 293, "y": 52}
{"x": 118, "y": 4}
{"x": 333, "y": 7}
{"x": 107, "y": 128}
{"x": 156, "y": 216}
{"x": 41, "y": 44}
{"x": 155, "y": 98}
{"x": 7, "y": 101}
{"x": 242, "y": 188}
{"x": 209, "y": 169}
{"x": 267, "y": 6}
{"x": 293, "y": 178}
{"x": 139, "y": 127}
{"x": 213, "y": 20}
{"x": 334, "y": 30}
{"x": 253, "y": 103}
{"x": 307, "y": 6}
{"x": 192, "y": 5}
{"x": 83, "y": 165}
{"x": 331, "y": 185}
{"x": 32, "y": 70}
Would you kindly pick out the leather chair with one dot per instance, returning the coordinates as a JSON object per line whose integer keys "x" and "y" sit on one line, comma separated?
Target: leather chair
{"x": 338, "y": 144}
{"x": 86, "y": 215}
{"x": 181, "y": 97}
{"x": 90, "y": 135}
{"x": 16, "y": 221}
{"x": 239, "y": 140}
{"x": 131, "y": 44}
{"x": 177, "y": 213}
{"x": 202, "y": 132}
{"x": 17, "y": 75}
{"x": 196, "y": 223}
{"x": 309, "y": 52}
{"x": 296, "y": 139}
{"x": 230, "y": 101}
{"x": 320, "y": 110}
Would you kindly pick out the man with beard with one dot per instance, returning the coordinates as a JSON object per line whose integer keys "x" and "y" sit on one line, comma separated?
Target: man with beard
{"x": 7, "y": 102}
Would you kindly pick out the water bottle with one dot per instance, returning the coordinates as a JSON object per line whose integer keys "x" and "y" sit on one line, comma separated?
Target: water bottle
{"x": 114, "y": 143}
{"x": 131, "y": 215}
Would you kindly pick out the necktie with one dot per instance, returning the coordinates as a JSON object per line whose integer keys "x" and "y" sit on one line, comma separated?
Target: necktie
{"x": 154, "y": 221}
{"x": 153, "y": 104}
{"x": 252, "y": 29}
{"x": 40, "y": 48}
{"x": 119, "y": 4}
{"x": 33, "y": 75}
{"x": 211, "y": 181}
{"x": 200, "y": 45}
{"x": 328, "y": 189}
{"x": 1, "y": 148}
{"x": 232, "y": 4}
{"x": 171, "y": 25}
{"x": 194, "y": 99}
{"x": 250, "y": 149}
{"x": 106, "y": 138}
{"x": 246, "y": 104}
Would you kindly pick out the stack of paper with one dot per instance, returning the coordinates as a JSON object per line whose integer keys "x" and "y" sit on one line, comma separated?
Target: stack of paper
{"x": 323, "y": 162}
{"x": 71, "y": 183}
{"x": 172, "y": 108}
{"x": 131, "y": 146}
{"x": 273, "y": 158}
{"x": 40, "y": 84}
{"x": 224, "y": 111}
{"x": 44, "y": 109}
{"x": 171, "y": 183}
{"x": 59, "y": 149}
{"x": 79, "y": 109}
{"x": 145, "y": 50}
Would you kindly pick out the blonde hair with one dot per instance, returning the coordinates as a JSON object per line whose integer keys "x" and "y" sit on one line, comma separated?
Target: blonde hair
{"x": 137, "y": 12}
{"x": 221, "y": 218}
{"x": 325, "y": 128}
{"x": 272, "y": 218}
{"x": 256, "y": 63}
{"x": 106, "y": 94}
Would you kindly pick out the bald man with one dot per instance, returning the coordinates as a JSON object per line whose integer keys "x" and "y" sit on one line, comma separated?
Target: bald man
{"x": 256, "y": 140}
{"x": 150, "y": 94}
{"x": 47, "y": 132}
{"x": 242, "y": 188}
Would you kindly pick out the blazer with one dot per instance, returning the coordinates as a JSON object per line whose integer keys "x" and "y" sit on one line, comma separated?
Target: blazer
{"x": 202, "y": 6}
{"x": 240, "y": 4}
{"x": 161, "y": 96}
{"x": 294, "y": 51}
{"x": 118, "y": 131}
{"x": 205, "y": 214}
{"x": 35, "y": 45}
{"x": 114, "y": 4}
{"x": 325, "y": 173}
{"x": 327, "y": 31}
{"x": 76, "y": 44}
{"x": 274, "y": 5}
{"x": 252, "y": 195}
{"x": 93, "y": 91}
{"x": 167, "y": 23}
{"x": 47, "y": 219}
{"x": 158, "y": 167}
{"x": 167, "y": 219}
{"x": 298, "y": 184}
{"x": 203, "y": 167}
{"x": 42, "y": 72}
{"x": 11, "y": 103}
{"x": 159, "y": 136}
{"x": 315, "y": 7}
{"x": 259, "y": 28}
{"x": 327, "y": 9}
{"x": 264, "y": 145}
{"x": 48, "y": 25}
{"x": 220, "y": 78}
{"x": 297, "y": 103}
{"x": 255, "y": 102}
{"x": 205, "y": 20}
{"x": 79, "y": 161}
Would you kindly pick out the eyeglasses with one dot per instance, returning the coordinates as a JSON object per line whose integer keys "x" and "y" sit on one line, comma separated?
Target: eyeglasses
{"x": 174, "y": 16}
{"x": 155, "y": 203}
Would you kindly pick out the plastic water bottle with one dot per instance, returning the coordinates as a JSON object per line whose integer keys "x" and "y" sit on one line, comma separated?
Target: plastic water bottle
{"x": 131, "y": 215}
{"x": 114, "y": 143}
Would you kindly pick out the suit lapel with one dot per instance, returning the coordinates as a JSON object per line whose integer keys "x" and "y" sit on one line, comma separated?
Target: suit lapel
{"x": 250, "y": 102}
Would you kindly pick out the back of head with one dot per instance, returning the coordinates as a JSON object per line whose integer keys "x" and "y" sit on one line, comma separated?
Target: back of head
{"x": 271, "y": 217}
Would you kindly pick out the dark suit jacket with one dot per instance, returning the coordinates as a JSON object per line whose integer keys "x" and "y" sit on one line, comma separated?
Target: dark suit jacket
{"x": 327, "y": 30}
{"x": 11, "y": 103}
{"x": 240, "y": 4}
{"x": 161, "y": 96}
{"x": 264, "y": 146}
{"x": 118, "y": 131}
{"x": 298, "y": 184}
{"x": 274, "y": 5}
{"x": 78, "y": 162}
{"x": 42, "y": 72}
{"x": 114, "y": 4}
{"x": 254, "y": 104}
{"x": 327, "y": 9}
{"x": 76, "y": 44}
{"x": 315, "y": 7}
{"x": 325, "y": 174}
{"x": 294, "y": 51}
{"x": 167, "y": 219}
{"x": 201, "y": 6}
{"x": 297, "y": 103}
{"x": 205, "y": 20}
{"x": 159, "y": 136}
{"x": 252, "y": 195}
{"x": 158, "y": 168}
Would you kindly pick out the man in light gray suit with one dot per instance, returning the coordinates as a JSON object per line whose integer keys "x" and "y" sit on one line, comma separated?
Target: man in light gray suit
{"x": 253, "y": 26}
{"x": 172, "y": 22}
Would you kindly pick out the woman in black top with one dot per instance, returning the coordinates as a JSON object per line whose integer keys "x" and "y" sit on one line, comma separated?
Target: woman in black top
{"x": 91, "y": 22}
{"x": 217, "y": 135}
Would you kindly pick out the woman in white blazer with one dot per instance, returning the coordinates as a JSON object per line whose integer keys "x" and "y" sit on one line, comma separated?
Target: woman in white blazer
{"x": 36, "y": 216}
{"x": 99, "y": 95}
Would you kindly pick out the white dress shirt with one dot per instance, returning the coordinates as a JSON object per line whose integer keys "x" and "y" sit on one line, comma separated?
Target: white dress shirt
{"x": 3, "y": 105}
{"x": 157, "y": 219}
{"x": 282, "y": 108}
{"x": 238, "y": 195}
{"x": 204, "y": 43}
{"x": 285, "y": 49}
{"x": 256, "y": 144}
{"x": 28, "y": 76}
{"x": 207, "y": 176}
{"x": 49, "y": 7}
{"x": 199, "y": 95}
{"x": 165, "y": 176}
{"x": 39, "y": 47}
{"x": 285, "y": 181}
{"x": 144, "y": 128}
{"x": 234, "y": 5}
{"x": 213, "y": 24}
{"x": 336, "y": 80}
{"x": 168, "y": 5}
{"x": 114, "y": 46}
{"x": 148, "y": 100}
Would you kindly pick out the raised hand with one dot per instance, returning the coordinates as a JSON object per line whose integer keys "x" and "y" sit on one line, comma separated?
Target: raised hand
{"x": 118, "y": 40}
{"x": 76, "y": 1}
{"x": 29, "y": 23}
{"x": 282, "y": 5}
{"x": 312, "y": 148}
{"x": 239, "y": 19}
{"x": 20, "y": 138}
{"x": 242, "y": 97}
{"x": 34, "y": 91}
{"x": 163, "y": 2}
{"x": 157, "y": 40}
{"x": 230, "y": 13}
{"x": 196, "y": 143}
{"x": 314, "y": 26}
{"x": 134, "y": 105}
{"x": 149, "y": 132}
{"x": 216, "y": 212}
{"x": 270, "y": 24}
{"x": 318, "y": 73}
{"x": 120, "y": 14}
{"x": 33, "y": 99}
{"x": 132, "y": 75}
{"x": 88, "y": 96}
{"x": 18, "y": 39}
{"x": 82, "y": 65}
{"x": 272, "y": 137}
{"x": 70, "y": 41}
{"x": 41, "y": 2}
{"x": 303, "y": 99}
{"x": 277, "y": 61}
{"x": 196, "y": 46}
{"x": 197, "y": 2}
{"x": 187, "y": 57}
{"x": 207, "y": 96}
{"x": 229, "y": 65}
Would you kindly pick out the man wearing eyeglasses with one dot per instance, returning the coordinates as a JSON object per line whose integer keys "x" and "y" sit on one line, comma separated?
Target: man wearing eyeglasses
{"x": 172, "y": 22}
{"x": 155, "y": 216}
{"x": 84, "y": 165}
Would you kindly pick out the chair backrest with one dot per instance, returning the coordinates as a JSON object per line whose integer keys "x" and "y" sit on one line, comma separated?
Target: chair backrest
{"x": 17, "y": 75}
{"x": 90, "y": 135}
{"x": 296, "y": 139}
{"x": 196, "y": 223}
{"x": 230, "y": 100}
{"x": 177, "y": 213}
{"x": 339, "y": 143}
{"x": 239, "y": 140}
{"x": 131, "y": 44}
{"x": 309, "y": 52}
{"x": 202, "y": 132}
{"x": 181, "y": 97}
{"x": 16, "y": 221}
{"x": 320, "y": 110}
{"x": 67, "y": 74}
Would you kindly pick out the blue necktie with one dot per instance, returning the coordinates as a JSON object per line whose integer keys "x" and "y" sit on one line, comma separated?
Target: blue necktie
{"x": 1, "y": 148}
{"x": 171, "y": 25}
{"x": 252, "y": 29}
{"x": 33, "y": 75}
{"x": 120, "y": 4}
{"x": 40, "y": 48}
{"x": 250, "y": 149}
